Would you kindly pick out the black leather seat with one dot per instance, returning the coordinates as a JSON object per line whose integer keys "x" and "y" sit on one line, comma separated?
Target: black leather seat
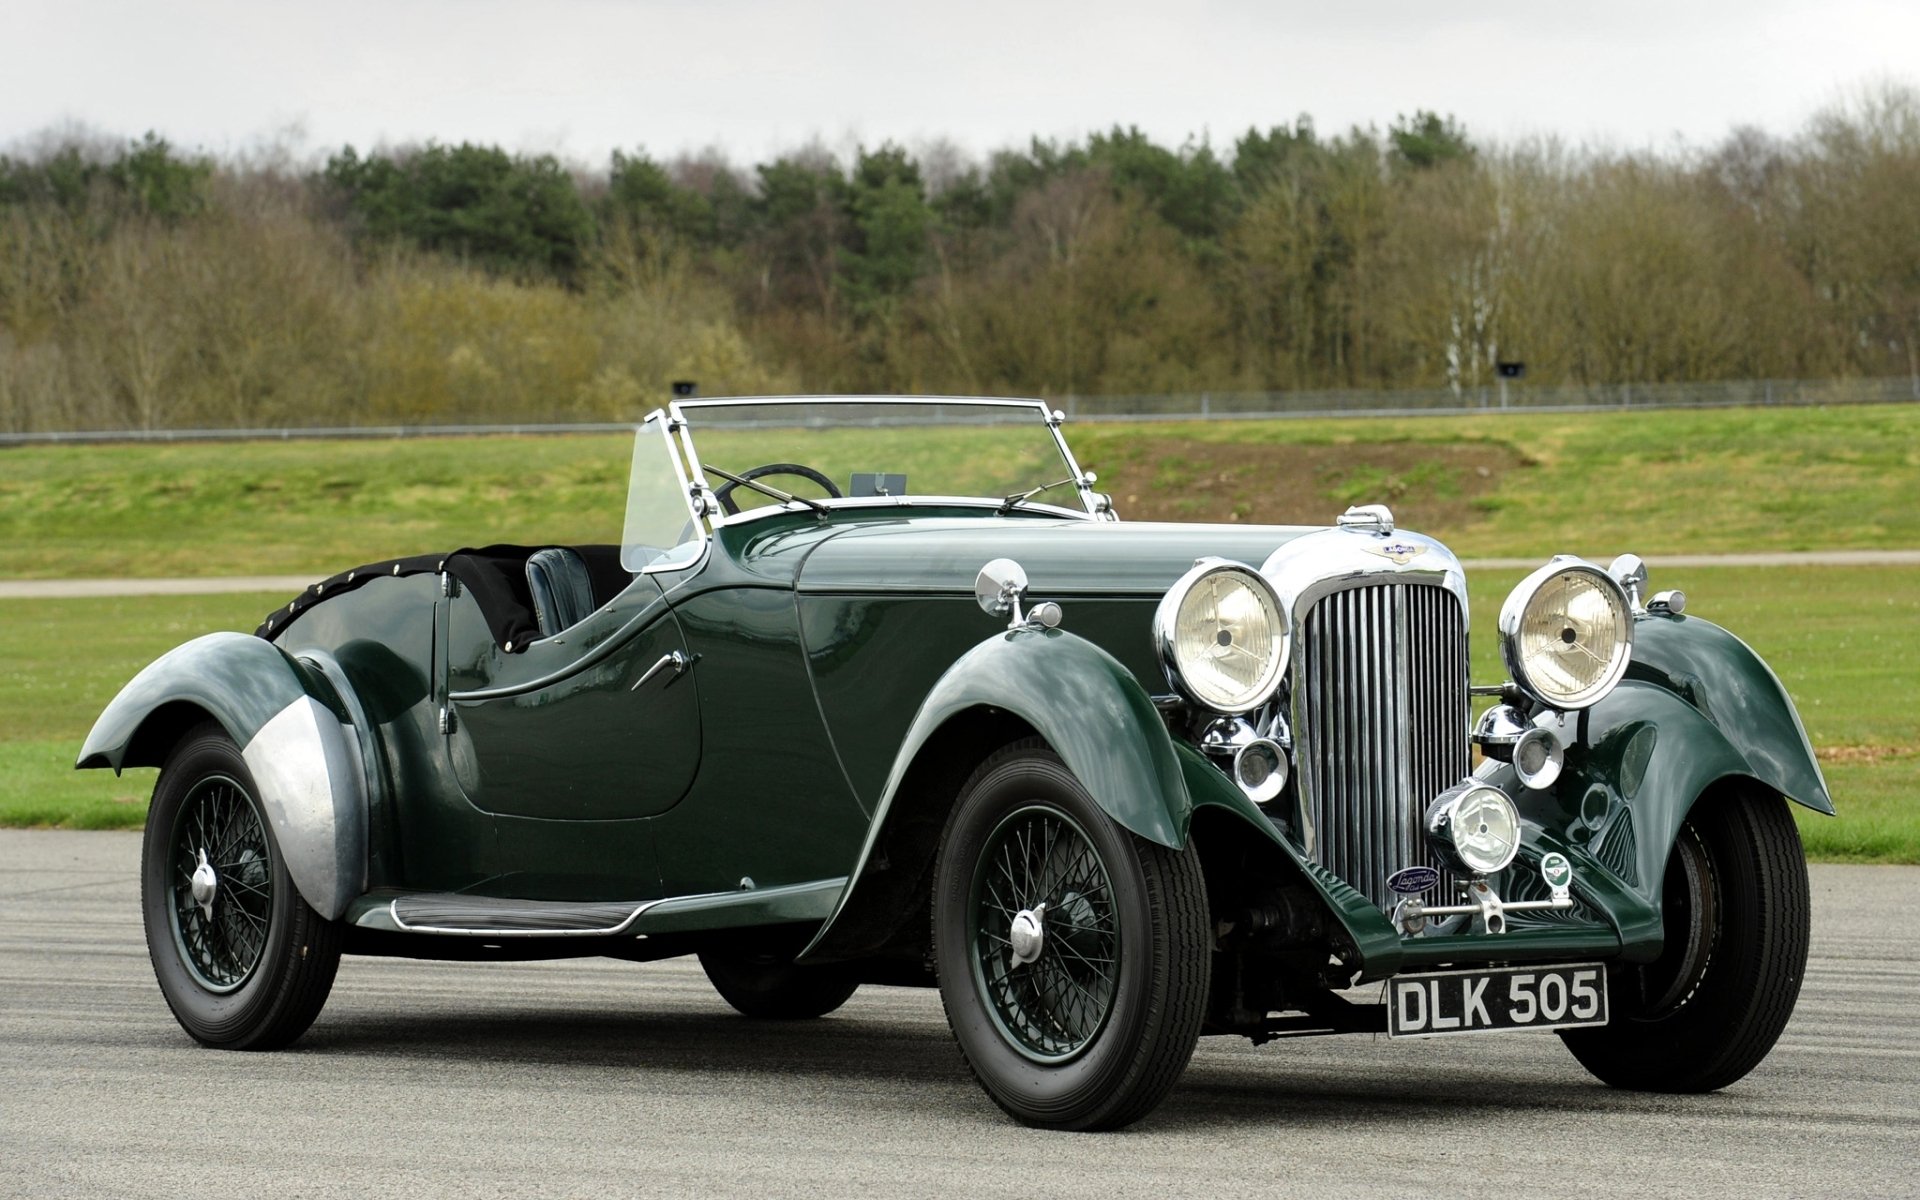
{"x": 562, "y": 589}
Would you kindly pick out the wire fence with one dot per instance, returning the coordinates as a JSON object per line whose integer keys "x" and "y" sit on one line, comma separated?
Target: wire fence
{"x": 1180, "y": 406}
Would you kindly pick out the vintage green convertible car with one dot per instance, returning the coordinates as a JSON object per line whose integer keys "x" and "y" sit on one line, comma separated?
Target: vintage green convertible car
{"x": 1108, "y": 786}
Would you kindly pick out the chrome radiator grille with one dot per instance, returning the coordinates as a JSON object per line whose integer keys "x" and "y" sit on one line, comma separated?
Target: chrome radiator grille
{"x": 1380, "y": 726}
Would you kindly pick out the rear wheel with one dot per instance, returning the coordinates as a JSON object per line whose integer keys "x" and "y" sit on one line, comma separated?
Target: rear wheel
{"x": 771, "y": 987}
{"x": 1736, "y": 913}
{"x": 1072, "y": 954}
{"x": 242, "y": 960}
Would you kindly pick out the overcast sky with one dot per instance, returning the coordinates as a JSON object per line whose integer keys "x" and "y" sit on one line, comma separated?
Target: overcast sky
{"x": 581, "y": 77}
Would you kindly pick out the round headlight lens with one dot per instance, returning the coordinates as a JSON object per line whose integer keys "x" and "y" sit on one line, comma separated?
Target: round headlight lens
{"x": 1476, "y": 826}
{"x": 1566, "y": 633}
{"x": 1222, "y": 637}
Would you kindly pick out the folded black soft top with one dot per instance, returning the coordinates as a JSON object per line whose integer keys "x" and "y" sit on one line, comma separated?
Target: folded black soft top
{"x": 496, "y": 575}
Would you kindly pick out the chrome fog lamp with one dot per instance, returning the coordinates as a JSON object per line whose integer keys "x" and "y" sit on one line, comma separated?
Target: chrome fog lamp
{"x": 1538, "y": 757}
{"x": 1475, "y": 827}
{"x": 1566, "y": 634}
{"x": 1222, "y": 636}
{"x": 1260, "y": 768}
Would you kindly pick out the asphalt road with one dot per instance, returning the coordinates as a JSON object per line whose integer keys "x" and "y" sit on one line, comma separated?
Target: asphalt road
{"x": 600, "y": 1078}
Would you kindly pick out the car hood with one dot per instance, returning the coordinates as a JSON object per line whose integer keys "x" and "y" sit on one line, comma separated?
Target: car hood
{"x": 1061, "y": 558}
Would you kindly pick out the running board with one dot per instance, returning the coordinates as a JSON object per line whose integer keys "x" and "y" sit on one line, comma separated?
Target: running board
{"x": 485, "y": 916}
{"x": 460, "y": 914}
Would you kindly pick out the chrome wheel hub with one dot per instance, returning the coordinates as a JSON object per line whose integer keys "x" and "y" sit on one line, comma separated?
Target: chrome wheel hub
{"x": 1028, "y": 933}
{"x": 204, "y": 884}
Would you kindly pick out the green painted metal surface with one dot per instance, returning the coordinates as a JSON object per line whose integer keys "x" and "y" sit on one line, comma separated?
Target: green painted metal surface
{"x": 1082, "y": 701}
{"x": 1720, "y": 676}
{"x": 770, "y": 801}
{"x": 1088, "y": 708}
{"x": 1062, "y": 558}
{"x": 241, "y": 681}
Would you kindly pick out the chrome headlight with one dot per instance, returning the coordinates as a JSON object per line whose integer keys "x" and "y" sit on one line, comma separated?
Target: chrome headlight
{"x": 1566, "y": 634}
{"x": 1474, "y": 826}
{"x": 1222, "y": 637}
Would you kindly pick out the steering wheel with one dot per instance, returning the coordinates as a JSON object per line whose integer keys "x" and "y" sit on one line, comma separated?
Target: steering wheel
{"x": 724, "y": 494}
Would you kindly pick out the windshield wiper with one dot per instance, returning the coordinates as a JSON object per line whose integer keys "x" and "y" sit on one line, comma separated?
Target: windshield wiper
{"x": 765, "y": 489}
{"x": 1007, "y": 505}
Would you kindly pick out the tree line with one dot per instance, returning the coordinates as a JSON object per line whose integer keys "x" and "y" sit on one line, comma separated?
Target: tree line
{"x": 146, "y": 287}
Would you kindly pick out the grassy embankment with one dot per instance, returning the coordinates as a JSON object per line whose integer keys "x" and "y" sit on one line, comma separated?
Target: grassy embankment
{"x": 1843, "y": 639}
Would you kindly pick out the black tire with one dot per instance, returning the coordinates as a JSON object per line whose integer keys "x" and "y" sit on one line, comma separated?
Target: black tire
{"x": 1058, "y": 1040}
{"x": 1737, "y": 913}
{"x": 251, "y": 969}
{"x": 770, "y": 987}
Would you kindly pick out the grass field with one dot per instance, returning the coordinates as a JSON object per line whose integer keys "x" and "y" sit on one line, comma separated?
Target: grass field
{"x": 1844, "y": 641}
{"x": 1654, "y": 482}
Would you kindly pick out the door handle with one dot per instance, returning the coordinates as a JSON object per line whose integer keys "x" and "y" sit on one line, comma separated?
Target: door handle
{"x": 677, "y": 662}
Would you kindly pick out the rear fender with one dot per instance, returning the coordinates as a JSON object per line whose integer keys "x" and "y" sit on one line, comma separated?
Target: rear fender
{"x": 1075, "y": 696}
{"x": 305, "y": 760}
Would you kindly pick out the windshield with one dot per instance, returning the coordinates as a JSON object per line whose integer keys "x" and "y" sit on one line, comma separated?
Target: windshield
{"x": 865, "y": 448}
{"x": 659, "y": 525}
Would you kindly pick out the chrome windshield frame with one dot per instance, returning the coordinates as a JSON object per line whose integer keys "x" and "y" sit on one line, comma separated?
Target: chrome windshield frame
{"x": 682, "y": 416}
{"x": 689, "y": 497}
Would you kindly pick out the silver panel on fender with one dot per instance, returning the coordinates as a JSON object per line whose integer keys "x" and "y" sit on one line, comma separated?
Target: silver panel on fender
{"x": 313, "y": 786}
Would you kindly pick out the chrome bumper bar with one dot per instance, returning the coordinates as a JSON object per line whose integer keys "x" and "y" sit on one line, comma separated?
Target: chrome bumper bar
{"x": 1487, "y": 908}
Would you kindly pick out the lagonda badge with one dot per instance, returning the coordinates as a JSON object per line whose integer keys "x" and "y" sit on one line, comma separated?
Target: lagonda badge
{"x": 1411, "y": 881}
{"x": 1399, "y": 553}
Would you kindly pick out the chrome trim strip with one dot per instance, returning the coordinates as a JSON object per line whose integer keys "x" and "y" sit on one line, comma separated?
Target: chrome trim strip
{"x": 393, "y": 913}
{"x": 845, "y": 398}
{"x": 1030, "y": 507}
{"x": 592, "y": 658}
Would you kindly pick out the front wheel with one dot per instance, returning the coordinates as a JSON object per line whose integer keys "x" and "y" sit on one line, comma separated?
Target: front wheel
{"x": 1736, "y": 913}
{"x": 242, "y": 960}
{"x": 1072, "y": 954}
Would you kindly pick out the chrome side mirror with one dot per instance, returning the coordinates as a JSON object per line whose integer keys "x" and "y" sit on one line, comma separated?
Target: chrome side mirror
{"x": 1000, "y": 588}
{"x": 1630, "y": 571}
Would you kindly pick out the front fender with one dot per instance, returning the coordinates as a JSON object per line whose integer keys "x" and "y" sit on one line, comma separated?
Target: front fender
{"x": 1721, "y": 678}
{"x": 1087, "y": 706}
{"x": 307, "y": 765}
{"x": 1641, "y": 759}
{"x": 1076, "y": 696}
{"x": 1374, "y": 938}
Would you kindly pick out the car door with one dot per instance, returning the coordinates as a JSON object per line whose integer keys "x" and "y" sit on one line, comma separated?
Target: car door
{"x": 598, "y": 723}
{"x": 573, "y": 744}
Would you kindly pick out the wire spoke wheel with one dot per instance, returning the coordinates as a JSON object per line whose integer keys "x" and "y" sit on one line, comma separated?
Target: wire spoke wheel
{"x": 221, "y": 888}
{"x": 1049, "y": 995}
{"x": 1072, "y": 954}
{"x": 243, "y": 960}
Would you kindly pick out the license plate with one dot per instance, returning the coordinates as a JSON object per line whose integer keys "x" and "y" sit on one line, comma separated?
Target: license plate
{"x": 1496, "y": 1001}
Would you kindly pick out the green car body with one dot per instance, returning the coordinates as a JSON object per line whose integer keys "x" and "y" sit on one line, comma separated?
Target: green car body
{"x": 771, "y": 736}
